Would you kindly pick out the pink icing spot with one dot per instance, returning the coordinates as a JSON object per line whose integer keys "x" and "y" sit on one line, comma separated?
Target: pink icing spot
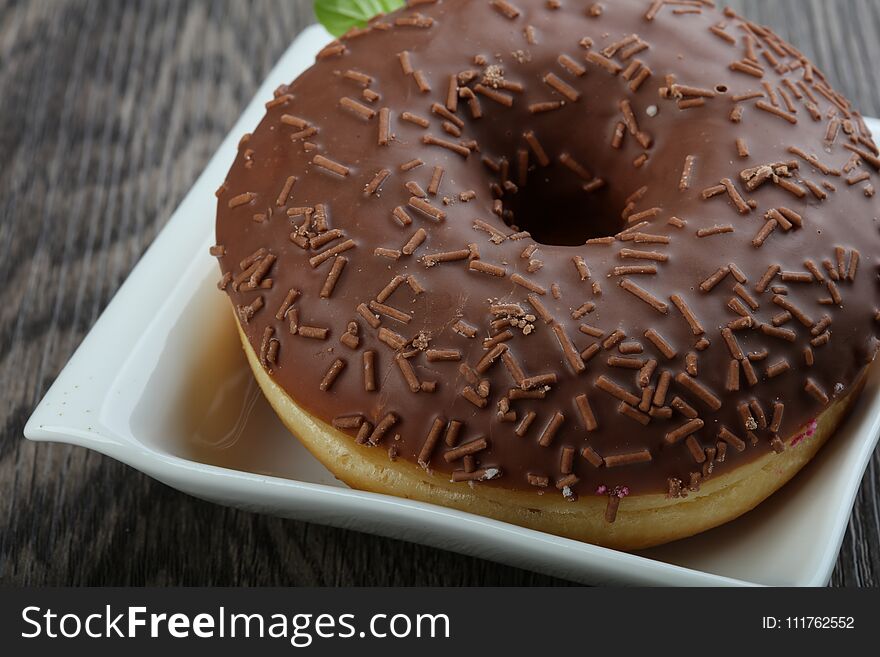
{"x": 617, "y": 491}
{"x": 810, "y": 431}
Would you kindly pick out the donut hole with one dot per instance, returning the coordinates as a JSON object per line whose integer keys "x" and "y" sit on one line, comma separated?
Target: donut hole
{"x": 721, "y": 88}
{"x": 557, "y": 211}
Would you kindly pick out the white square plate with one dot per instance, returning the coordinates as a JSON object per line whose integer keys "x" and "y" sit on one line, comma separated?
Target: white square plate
{"x": 161, "y": 384}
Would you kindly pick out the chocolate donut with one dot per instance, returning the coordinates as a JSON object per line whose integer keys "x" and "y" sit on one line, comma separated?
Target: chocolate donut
{"x": 606, "y": 270}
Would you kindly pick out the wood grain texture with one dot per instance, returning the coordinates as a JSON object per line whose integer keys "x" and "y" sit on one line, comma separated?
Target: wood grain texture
{"x": 108, "y": 112}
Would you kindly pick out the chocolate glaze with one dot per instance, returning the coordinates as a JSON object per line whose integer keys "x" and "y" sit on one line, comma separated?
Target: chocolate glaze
{"x": 552, "y": 203}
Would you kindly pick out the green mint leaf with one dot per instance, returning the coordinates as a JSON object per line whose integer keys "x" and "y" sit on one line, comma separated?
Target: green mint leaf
{"x": 338, "y": 16}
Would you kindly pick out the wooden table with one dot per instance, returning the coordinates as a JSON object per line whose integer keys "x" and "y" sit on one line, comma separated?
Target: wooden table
{"x": 108, "y": 112}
